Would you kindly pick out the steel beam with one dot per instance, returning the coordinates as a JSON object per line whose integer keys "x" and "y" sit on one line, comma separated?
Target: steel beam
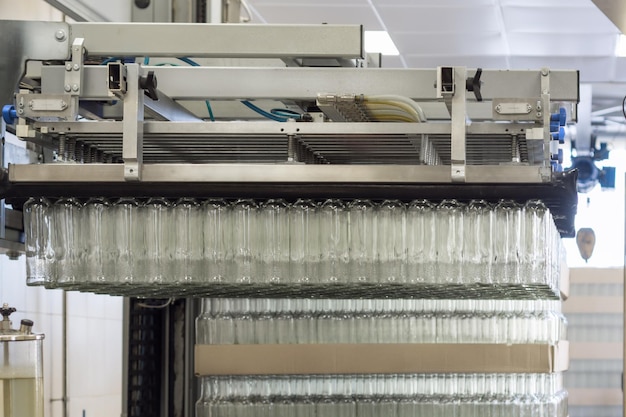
{"x": 221, "y": 41}
{"x": 132, "y": 146}
{"x": 270, "y": 173}
{"x": 193, "y": 83}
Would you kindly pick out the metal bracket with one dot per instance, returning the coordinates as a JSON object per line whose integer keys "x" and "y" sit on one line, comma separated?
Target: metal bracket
{"x": 132, "y": 147}
{"x": 74, "y": 74}
{"x": 458, "y": 128}
{"x": 543, "y": 115}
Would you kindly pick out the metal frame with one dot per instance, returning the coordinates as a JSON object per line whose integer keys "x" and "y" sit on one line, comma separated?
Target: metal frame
{"x": 216, "y": 40}
{"x": 464, "y": 141}
{"x": 276, "y": 83}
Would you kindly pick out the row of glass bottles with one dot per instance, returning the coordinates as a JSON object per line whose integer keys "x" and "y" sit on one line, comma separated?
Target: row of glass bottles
{"x": 442, "y": 395}
{"x": 267, "y": 321}
{"x": 187, "y": 243}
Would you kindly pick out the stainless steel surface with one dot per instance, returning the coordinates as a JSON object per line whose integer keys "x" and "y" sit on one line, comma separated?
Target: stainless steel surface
{"x": 458, "y": 139}
{"x": 28, "y": 40}
{"x": 189, "y": 83}
{"x": 20, "y": 337}
{"x": 45, "y": 106}
{"x": 232, "y": 40}
{"x": 132, "y": 139}
{"x": 583, "y": 127}
{"x": 271, "y": 173}
{"x": 167, "y": 109}
{"x": 334, "y": 143}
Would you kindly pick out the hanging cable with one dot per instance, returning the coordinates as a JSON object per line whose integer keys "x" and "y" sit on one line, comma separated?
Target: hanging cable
{"x": 290, "y": 114}
{"x": 207, "y": 102}
{"x": 263, "y": 112}
{"x": 401, "y": 102}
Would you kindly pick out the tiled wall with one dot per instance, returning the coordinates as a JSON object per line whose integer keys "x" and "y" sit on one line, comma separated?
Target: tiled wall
{"x": 94, "y": 343}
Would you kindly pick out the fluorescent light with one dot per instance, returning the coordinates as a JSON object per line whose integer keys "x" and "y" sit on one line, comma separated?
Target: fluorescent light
{"x": 380, "y": 41}
{"x": 620, "y": 49}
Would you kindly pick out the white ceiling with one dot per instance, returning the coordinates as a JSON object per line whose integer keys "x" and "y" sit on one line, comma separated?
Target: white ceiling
{"x": 499, "y": 34}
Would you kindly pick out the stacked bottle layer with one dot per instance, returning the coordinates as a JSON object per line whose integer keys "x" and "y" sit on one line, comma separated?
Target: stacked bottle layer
{"x": 331, "y": 249}
{"x": 310, "y": 321}
{"x": 293, "y": 321}
{"x": 472, "y": 395}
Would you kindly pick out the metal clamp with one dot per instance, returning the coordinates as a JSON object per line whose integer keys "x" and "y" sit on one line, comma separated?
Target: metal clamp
{"x": 132, "y": 147}
{"x": 458, "y": 113}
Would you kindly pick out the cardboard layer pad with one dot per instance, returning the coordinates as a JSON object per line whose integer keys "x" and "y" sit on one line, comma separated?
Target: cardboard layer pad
{"x": 379, "y": 359}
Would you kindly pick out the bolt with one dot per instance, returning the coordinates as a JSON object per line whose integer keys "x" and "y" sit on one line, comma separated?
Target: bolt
{"x": 76, "y": 67}
{"x": 545, "y": 91}
{"x": 528, "y": 108}
{"x": 67, "y": 88}
{"x": 545, "y": 72}
{"x": 59, "y": 35}
{"x": 498, "y": 108}
{"x": 21, "y": 104}
{"x": 20, "y": 111}
{"x": 30, "y": 104}
{"x": 63, "y": 105}
{"x": 539, "y": 114}
{"x": 68, "y": 66}
{"x": 75, "y": 88}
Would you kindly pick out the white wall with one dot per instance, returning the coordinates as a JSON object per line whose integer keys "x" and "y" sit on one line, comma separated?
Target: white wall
{"x": 94, "y": 322}
{"x": 28, "y": 10}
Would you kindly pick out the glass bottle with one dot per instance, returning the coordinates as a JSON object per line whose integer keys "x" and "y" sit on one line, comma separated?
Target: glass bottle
{"x": 421, "y": 235}
{"x": 304, "y": 241}
{"x": 129, "y": 241}
{"x": 37, "y": 231}
{"x": 217, "y": 240}
{"x": 274, "y": 241}
{"x": 100, "y": 244}
{"x": 188, "y": 242}
{"x": 156, "y": 265}
{"x": 477, "y": 242}
{"x": 333, "y": 242}
{"x": 362, "y": 218}
{"x": 391, "y": 246}
{"x": 449, "y": 240}
{"x": 244, "y": 260}
{"x": 67, "y": 236}
{"x": 507, "y": 242}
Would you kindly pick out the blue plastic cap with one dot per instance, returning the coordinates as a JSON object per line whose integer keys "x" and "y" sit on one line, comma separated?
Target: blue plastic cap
{"x": 560, "y": 117}
{"x": 554, "y": 126}
{"x": 9, "y": 114}
{"x": 556, "y": 167}
{"x": 560, "y": 135}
